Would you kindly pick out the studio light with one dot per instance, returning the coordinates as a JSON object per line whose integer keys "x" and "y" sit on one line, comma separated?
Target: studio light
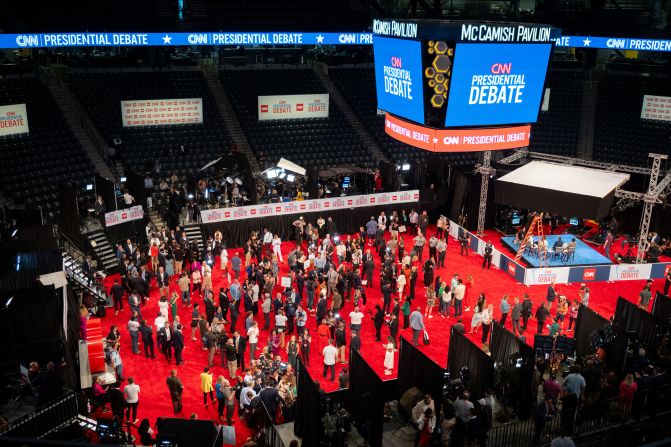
{"x": 89, "y": 187}
{"x": 291, "y": 177}
{"x": 282, "y": 175}
{"x": 123, "y": 179}
{"x": 271, "y": 174}
{"x": 190, "y": 197}
{"x": 14, "y": 232}
{"x": 405, "y": 167}
{"x": 9, "y": 301}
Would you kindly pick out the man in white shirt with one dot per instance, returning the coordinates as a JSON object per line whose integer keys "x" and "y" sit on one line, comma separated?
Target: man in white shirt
{"x": 159, "y": 322}
{"x": 330, "y": 353}
{"x": 253, "y": 338}
{"x": 128, "y": 199}
{"x": 245, "y": 394}
{"x": 355, "y": 318}
{"x": 458, "y": 292}
{"x": 131, "y": 394}
{"x": 421, "y": 407}
{"x": 341, "y": 251}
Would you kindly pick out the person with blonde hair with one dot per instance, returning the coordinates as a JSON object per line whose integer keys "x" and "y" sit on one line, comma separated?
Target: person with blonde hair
{"x": 219, "y": 392}
{"x": 430, "y": 301}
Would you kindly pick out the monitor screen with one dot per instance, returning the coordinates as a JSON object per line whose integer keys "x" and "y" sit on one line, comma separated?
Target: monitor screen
{"x": 398, "y": 77}
{"x": 573, "y": 221}
{"x": 496, "y": 84}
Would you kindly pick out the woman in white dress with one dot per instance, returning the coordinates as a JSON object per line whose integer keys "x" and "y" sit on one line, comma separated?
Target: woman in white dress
{"x": 223, "y": 256}
{"x": 277, "y": 243}
{"x": 476, "y": 322}
{"x": 400, "y": 285}
{"x": 388, "y": 356}
{"x": 163, "y": 306}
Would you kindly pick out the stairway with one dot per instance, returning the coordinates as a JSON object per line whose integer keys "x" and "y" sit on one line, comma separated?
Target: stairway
{"x": 362, "y": 131}
{"x": 85, "y": 136}
{"x": 233, "y": 126}
{"x": 155, "y": 218}
{"x": 194, "y": 233}
{"x": 104, "y": 250}
{"x": 80, "y": 281}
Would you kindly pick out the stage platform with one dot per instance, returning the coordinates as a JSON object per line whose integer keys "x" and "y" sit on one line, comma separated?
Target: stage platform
{"x": 584, "y": 254}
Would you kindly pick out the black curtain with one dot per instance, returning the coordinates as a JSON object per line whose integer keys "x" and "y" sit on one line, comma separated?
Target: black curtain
{"x": 459, "y": 187}
{"x": 390, "y": 181}
{"x": 437, "y": 170}
{"x": 591, "y": 325}
{"x": 135, "y": 185}
{"x": 418, "y": 370}
{"x": 237, "y": 232}
{"x": 587, "y": 324}
{"x": 308, "y": 422}
{"x": 463, "y": 352}
{"x": 416, "y": 176}
{"x": 661, "y": 307}
{"x": 105, "y": 188}
{"x": 632, "y": 318}
{"x": 505, "y": 346}
{"x": 134, "y": 230}
{"x": 367, "y": 398}
{"x": 69, "y": 216}
{"x": 30, "y": 266}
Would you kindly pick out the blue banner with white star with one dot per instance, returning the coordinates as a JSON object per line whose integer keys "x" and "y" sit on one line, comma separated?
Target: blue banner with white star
{"x": 61, "y": 40}
{"x": 56, "y": 40}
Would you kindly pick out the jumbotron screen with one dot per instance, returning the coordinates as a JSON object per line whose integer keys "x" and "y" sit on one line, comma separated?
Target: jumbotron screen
{"x": 398, "y": 77}
{"x": 494, "y": 84}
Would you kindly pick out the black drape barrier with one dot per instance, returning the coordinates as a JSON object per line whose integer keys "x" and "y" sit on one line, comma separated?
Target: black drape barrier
{"x": 661, "y": 307}
{"x": 30, "y": 266}
{"x": 308, "y": 422}
{"x": 437, "y": 170}
{"x": 367, "y": 400}
{"x": 632, "y": 318}
{"x": 237, "y": 232}
{"x": 135, "y": 185}
{"x": 69, "y": 216}
{"x": 459, "y": 187}
{"x": 311, "y": 185}
{"x": 416, "y": 176}
{"x": 462, "y": 353}
{"x": 415, "y": 369}
{"x": 390, "y": 180}
{"x": 105, "y": 188}
{"x": 587, "y": 323}
{"x": 24, "y": 217}
{"x": 505, "y": 347}
{"x": 590, "y": 327}
{"x": 133, "y": 230}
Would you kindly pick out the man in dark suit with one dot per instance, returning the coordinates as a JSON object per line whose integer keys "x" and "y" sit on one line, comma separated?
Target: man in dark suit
{"x": 147, "y": 339}
{"x": 240, "y": 344}
{"x": 178, "y": 344}
{"x": 117, "y": 295}
{"x": 393, "y": 328}
{"x": 176, "y": 389}
{"x": 234, "y": 312}
{"x": 271, "y": 398}
{"x": 355, "y": 341}
{"x": 487, "y": 261}
{"x": 369, "y": 269}
{"x": 129, "y": 248}
{"x": 378, "y": 321}
{"x": 386, "y": 297}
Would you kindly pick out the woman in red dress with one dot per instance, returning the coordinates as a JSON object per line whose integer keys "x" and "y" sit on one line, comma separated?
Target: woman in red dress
{"x": 426, "y": 424}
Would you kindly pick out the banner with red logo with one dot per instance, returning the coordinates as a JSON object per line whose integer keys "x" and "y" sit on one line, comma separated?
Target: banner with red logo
{"x": 13, "y": 119}
{"x": 161, "y": 112}
{"x": 285, "y": 107}
{"x": 548, "y": 275}
{"x": 656, "y": 108}
{"x": 457, "y": 140}
{"x": 125, "y": 215}
{"x": 307, "y": 206}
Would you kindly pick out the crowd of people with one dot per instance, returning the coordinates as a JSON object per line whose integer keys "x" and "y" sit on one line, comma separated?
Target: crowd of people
{"x": 326, "y": 272}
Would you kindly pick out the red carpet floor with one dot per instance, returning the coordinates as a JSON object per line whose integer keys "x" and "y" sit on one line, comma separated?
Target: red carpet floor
{"x": 151, "y": 374}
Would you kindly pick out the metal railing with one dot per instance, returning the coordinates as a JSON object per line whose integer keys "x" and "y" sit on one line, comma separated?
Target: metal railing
{"x": 45, "y": 420}
{"x": 592, "y": 418}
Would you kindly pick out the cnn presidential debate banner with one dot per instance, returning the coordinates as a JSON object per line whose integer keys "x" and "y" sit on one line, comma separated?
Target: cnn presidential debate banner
{"x": 286, "y": 107}
{"x": 308, "y": 206}
{"x": 656, "y": 108}
{"x": 126, "y": 215}
{"x": 13, "y": 119}
{"x": 160, "y": 112}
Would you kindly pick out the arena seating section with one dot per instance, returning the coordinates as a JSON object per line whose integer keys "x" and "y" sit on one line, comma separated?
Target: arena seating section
{"x": 101, "y": 93}
{"x": 37, "y": 163}
{"x": 358, "y": 86}
{"x": 556, "y": 131}
{"x": 621, "y": 136}
{"x": 316, "y": 142}
{"x": 273, "y": 15}
{"x": 81, "y": 15}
